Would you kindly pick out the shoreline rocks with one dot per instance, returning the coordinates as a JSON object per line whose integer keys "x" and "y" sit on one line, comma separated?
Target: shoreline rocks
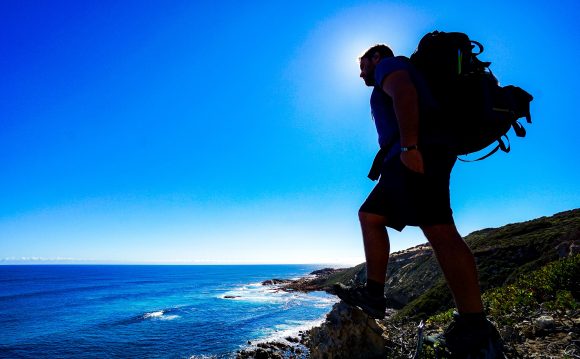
{"x": 276, "y": 281}
{"x": 287, "y": 348}
{"x": 313, "y": 282}
{"x": 291, "y": 347}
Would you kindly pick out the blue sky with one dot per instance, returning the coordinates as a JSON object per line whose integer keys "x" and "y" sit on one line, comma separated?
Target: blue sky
{"x": 228, "y": 132}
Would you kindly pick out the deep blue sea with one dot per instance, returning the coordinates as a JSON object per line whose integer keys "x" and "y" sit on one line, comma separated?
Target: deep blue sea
{"x": 126, "y": 311}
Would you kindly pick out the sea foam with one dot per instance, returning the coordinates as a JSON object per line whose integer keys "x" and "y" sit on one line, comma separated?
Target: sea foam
{"x": 273, "y": 294}
{"x": 160, "y": 315}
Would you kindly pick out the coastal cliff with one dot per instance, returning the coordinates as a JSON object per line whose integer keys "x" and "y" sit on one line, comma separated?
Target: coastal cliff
{"x": 529, "y": 273}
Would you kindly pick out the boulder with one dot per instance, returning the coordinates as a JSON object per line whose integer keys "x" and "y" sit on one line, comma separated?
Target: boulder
{"x": 544, "y": 323}
{"x": 347, "y": 333}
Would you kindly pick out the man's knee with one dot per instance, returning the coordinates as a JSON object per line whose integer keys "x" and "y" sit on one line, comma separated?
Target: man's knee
{"x": 371, "y": 220}
{"x": 441, "y": 234}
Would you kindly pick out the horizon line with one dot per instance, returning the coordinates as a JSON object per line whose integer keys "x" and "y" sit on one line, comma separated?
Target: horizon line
{"x": 49, "y": 262}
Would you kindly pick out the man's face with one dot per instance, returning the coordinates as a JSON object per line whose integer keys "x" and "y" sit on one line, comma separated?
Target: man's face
{"x": 367, "y": 71}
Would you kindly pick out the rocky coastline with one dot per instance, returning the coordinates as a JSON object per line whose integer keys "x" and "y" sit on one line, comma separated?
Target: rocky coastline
{"x": 291, "y": 347}
{"x": 344, "y": 331}
{"x": 508, "y": 257}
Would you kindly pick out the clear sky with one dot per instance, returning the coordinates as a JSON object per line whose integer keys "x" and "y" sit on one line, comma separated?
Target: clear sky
{"x": 240, "y": 132}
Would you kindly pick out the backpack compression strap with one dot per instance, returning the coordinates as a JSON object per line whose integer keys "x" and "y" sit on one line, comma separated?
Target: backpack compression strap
{"x": 500, "y": 146}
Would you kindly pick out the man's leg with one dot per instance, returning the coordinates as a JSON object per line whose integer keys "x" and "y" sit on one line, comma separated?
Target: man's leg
{"x": 470, "y": 331}
{"x": 376, "y": 245}
{"x": 458, "y": 266}
{"x": 371, "y": 297}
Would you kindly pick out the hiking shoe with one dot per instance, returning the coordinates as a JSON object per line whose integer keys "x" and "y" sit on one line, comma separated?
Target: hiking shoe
{"x": 468, "y": 340}
{"x": 359, "y": 297}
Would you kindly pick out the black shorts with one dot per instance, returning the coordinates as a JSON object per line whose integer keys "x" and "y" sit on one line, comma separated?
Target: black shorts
{"x": 406, "y": 197}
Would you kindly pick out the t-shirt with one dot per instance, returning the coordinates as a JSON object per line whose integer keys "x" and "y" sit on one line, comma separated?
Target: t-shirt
{"x": 382, "y": 105}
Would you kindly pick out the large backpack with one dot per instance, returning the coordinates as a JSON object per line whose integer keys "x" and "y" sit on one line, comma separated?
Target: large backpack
{"x": 473, "y": 110}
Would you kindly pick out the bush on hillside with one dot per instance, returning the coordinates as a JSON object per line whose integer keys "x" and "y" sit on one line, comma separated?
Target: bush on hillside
{"x": 554, "y": 287}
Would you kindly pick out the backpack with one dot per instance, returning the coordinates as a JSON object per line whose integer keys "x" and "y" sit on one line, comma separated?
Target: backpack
{"x": 473, "y": 110}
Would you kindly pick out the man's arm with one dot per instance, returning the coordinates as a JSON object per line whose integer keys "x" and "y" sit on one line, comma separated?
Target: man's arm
{"x": 401, "y": 89}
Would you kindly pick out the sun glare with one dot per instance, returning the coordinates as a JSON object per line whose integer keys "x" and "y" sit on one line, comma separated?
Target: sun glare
{"x": 346, "y": 35}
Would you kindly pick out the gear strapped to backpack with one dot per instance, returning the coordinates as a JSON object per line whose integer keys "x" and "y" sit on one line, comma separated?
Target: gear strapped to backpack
{"x": 473, "y": 110}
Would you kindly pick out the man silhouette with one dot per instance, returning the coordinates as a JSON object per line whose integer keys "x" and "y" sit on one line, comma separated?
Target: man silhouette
{"x": 414, "y": 166}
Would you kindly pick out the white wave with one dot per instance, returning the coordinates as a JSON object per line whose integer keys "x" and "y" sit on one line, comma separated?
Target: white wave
{"x": 290, "y": 328}
{"x": 160, "y": 315}
{"x": 256, "y": 292}
{"x": 169, "y": 317}
{"x": 273, "y": 294}
{"x": 151, "y": 315}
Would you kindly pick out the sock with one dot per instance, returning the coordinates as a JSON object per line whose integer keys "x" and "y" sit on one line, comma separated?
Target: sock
{"x": 476, "y": 320}
{"x": 473, "y": 317}
{"x": 375, "y": 289}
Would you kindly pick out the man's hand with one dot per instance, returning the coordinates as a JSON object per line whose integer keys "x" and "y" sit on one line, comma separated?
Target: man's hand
{"x": 413, "y": 160}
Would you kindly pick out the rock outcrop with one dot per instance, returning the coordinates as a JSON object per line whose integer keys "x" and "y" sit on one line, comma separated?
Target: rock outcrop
{"x": 347, "y": 333}
{"x": 276, "y": 281}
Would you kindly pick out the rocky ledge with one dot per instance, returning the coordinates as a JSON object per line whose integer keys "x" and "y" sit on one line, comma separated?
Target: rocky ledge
{"x": 315, "y": 281}
{"x": 287, "y": 348}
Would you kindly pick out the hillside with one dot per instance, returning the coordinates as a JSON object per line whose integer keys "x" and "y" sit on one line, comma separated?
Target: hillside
{"x": 530, "y": 276}
{"x": 415, "y": 284}
{"x": 529, "y": 273}
{"x": 502, "y": 254}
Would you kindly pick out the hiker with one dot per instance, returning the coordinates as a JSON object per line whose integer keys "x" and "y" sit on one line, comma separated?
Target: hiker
{"x": 414, "y": 164}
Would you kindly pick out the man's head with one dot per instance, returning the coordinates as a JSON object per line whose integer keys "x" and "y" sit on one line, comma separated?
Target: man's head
{"x": 369, "y": 60}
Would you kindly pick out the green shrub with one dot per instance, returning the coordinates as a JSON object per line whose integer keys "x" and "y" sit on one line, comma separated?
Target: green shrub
{"x": 441, "y": 318}
{"x": 555, "y": 286}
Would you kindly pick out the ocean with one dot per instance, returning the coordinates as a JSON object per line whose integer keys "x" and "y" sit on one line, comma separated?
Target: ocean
{"x": 149, "y": 311}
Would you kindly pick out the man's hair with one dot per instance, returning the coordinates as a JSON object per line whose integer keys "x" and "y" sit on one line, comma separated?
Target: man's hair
{"x": 383, "y": 50}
